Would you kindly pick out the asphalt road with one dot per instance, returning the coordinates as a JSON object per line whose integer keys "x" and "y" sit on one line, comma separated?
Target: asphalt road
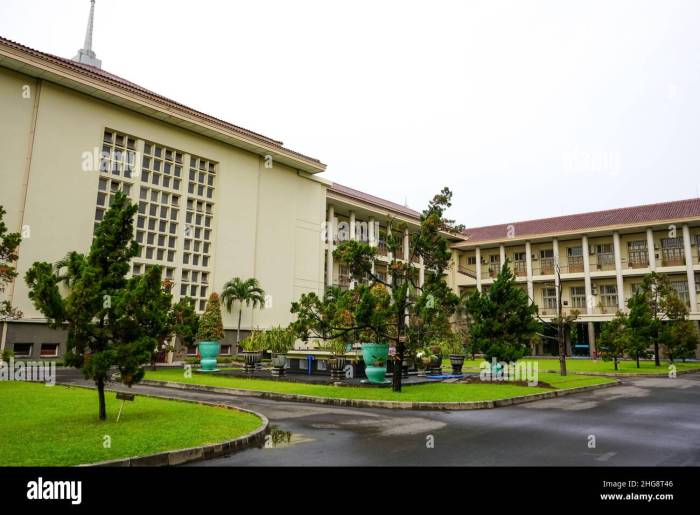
{"x": 644, "y": 422}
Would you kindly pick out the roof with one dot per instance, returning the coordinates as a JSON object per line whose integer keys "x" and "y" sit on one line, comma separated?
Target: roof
{"x": 114, "y": 80}
{"x": 346, "y": 191}
{"x": 662, "y": 211}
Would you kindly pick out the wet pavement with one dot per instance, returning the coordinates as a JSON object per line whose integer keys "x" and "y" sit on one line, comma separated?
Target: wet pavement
{"x": 644, "y": 422}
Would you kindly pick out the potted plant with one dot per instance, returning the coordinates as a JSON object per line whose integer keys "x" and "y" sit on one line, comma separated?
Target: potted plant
{"x": 253, "y": 347}
{"x": 454, "y": 348}
{"x": 280, "y": 341}
{"x": 375, "y": 356}
{"x": 434, "y": 368}
{"x": 210, "y": 334}
{"x": 337, "y": 360}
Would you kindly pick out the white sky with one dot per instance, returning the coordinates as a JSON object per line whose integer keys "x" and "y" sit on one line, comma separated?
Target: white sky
{"x": 525, "y": 109}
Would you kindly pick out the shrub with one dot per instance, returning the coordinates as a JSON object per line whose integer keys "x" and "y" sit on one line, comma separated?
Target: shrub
{"x": 211, "y": 328}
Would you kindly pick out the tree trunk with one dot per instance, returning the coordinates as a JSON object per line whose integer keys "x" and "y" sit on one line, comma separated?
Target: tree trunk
{"x": 615, "y": 359}
{"x": 101, "y": 395}
{"x": 238, "y": 330}
{"x": 562, "y": 352}
{"x": 637, "y": 359}
{"x": 656, "y": 353}
{"x": 396, "y": 379}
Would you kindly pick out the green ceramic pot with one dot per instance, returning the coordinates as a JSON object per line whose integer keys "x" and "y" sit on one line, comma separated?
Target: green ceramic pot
{"x": 209, "y": 351}
{"x": 375, "y": 356}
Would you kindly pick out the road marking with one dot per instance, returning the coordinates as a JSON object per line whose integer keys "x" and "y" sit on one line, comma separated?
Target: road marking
{"x": 606, "y": 456}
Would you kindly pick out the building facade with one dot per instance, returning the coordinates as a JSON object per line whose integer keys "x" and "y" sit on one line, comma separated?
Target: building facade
{"x": 601, "y": 256}
{"x": 216, "y": 201}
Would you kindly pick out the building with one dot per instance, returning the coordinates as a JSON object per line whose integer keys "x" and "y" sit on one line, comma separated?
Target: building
{"x": 217, "y": 201}
{"x": 602, "y": 258}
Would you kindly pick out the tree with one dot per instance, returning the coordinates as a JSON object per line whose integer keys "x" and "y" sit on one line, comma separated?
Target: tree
{"x": 405, "y": 294}
{"x": 211, "y": 327}
{"x": 641, "y": 324}
{"x": 502, "y": 318}
{"x": 111, "y": 321}
{"x": 614, "y": 338}
{"x": 248, "y": 292}
{"x": 678, "y": 334}
{"x": 9, "y": 245}
{"x": 185, "y": 321}
{"x": 657, "y": 290}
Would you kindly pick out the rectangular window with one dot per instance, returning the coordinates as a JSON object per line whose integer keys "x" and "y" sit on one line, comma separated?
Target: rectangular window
{"x": 608, "y": 295}
{"x": 672, "y": 251}
{"x": 578, "y": 297}
{"x": 549, "y": 298}
{"x": 49, "y": 350}
{"x": 471, "y": 260}
{"x": 681, "y": 288}
{"x": 638, "y": 253}
{"x": 22, "y": 350}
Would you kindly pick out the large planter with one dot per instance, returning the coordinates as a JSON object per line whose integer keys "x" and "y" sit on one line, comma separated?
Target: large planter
{"x": 375, "y": 356}
{"x": 457, "y": 362}
{"x": 435, "y": 366}
{"x": 250, "y": 360}
{"x": 208, "y": 352}
{"x": 336, "y": 365}
{"x": 278, "y": 362}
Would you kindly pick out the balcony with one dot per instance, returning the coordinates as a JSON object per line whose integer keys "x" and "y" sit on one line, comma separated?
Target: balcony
{"x": 469, "y": 272}
{"x": 574, "y": 265}
{"x": 520, "y": 268}
{"x": 638, "y": 259}
{"x": 381, "y": 249}
{"x": 672, "y": 257}
{"x": 545, "y": 267}
{"x": 604, "y": 261}
{"x": 494, "y": 269}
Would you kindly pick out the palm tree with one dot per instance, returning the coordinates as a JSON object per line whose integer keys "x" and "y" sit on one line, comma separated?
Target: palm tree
{"x": 248, "y": 291}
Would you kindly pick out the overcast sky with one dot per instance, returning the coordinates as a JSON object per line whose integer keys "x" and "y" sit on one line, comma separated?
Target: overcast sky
{"x": 525, "y": 109}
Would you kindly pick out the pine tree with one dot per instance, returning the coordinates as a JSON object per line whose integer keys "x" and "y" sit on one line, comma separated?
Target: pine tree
{"x": 111, "y": 321}
{"x": 211, "y": 327}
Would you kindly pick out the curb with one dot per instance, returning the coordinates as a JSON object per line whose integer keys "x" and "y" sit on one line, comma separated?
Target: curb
{"x": 361, "y": 403}
{"x": 618, "y": 375}
{"x": 189, "y": 454}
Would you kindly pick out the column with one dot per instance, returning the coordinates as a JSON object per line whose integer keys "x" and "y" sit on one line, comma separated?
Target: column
{"x": 528, "y": 263}
{"x": 421, "y": 273}
{"x": 406, "y": 251}
{"x": 650, "y": 249}
{"x": 555, "y": 252}
{"x": 587, "y": 276}
{"x": 618, "y": 272}
{"x": 591, "y": 340}
{"x": 478, "y": 268}
{"x": 689, "y": 269}
{"x": 330, "y": 233}
{"x": 353, "y": 226}
{"x": 502, "y": 250}
{"x": 370, "y": 233}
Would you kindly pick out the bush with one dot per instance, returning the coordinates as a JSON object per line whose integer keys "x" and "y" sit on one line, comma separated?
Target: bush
{"x": 211, "y": 327}
{"x": 503, "y": 351}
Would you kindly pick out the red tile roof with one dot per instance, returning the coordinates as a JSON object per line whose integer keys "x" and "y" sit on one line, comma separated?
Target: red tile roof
{"x": 117, "y": 81}
{"x": 662, "y": 211}
{"x": 371, "y": 199}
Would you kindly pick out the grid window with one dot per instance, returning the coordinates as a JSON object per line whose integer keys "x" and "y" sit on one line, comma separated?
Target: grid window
{"x": 578, "y": 297}
{"x": 194, "y": 284}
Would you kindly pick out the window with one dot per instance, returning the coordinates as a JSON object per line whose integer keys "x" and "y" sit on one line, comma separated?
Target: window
{"x": 638, "y": 253}
{"x": 681, "y": 288}
{"x": 22, "y": 350}
{"x": 549, "y": 298}
{"x": 226, "y": 350}
{"x": 574, "y": 257}
{"x": 471, "y": 260}
{"x": 608, "y": 295}
{"x": 578, "y": 297}
{"x": 574, "y": 251}
{"x": 495, "y": 259}
{"x": 547, "y": 253}
{"x": 48, "y": 350}
{"x": 672, "y": 251}
{"x": 519, "y": 256}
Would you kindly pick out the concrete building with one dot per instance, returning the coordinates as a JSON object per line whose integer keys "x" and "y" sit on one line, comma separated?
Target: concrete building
{"x": 216, "y": 201}
{"x": 602, "y": 258}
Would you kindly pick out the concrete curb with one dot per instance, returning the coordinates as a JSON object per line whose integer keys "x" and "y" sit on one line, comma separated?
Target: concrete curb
{"x": 197, "y": 453}
{"x": 361, "y": 403}
{"x": 621, "y": 375}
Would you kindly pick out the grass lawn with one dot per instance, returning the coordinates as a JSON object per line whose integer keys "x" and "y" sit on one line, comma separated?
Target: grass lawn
{"x": 433, "y": 392}
{"x": 58, "y": 426}
{"x": 600, "y": 366}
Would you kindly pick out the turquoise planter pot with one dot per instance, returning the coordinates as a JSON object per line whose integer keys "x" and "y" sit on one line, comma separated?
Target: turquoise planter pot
{"x": 373, "y": 353}
{"x": 209, "y": 351}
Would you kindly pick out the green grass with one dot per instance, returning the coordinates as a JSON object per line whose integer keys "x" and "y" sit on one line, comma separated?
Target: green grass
{"x": 599, "y": 366}
{"x": 58, "y": 426}
{"x": 432, "y": 392}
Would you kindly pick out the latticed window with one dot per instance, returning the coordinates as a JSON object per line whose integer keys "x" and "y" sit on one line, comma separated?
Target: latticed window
{"x": 578, "y": 297}
{"x": 682, "y": 290}
{"x": 638, "y": 252}
{"x": 549, "y": 298}
{"x": 608, "y": 295}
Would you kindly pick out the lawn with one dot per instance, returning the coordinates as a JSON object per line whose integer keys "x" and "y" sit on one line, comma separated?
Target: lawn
{"x": 599, "y": 366}
{"x": 58, "y": 426}
{"x": 433, "y": 392}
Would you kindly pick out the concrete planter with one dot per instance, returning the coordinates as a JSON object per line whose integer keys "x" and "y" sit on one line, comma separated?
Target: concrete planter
{"x": 457, "y": 362}
{"x": 375, "y": 356}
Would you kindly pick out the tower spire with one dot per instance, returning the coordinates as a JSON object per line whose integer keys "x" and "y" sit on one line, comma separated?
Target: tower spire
{"x": 86, "y": 55}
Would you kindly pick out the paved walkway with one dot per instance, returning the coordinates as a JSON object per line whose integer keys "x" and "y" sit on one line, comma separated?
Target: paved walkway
{"x": 645, "y": 422}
